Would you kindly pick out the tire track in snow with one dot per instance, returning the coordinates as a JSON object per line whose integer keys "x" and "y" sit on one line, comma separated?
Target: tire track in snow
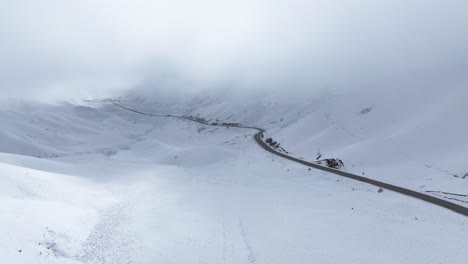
{"x": 224, "y": 255}
{"x": 258, "y": 137}
{"x": 250, "y": 253}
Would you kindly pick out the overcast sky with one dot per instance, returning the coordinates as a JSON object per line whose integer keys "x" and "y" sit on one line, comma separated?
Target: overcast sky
{"x": 65, "y": 49}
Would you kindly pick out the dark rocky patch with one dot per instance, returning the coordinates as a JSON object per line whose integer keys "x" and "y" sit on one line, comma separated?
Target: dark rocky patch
{"x": 275, "y": 145}
{"x": 332, "y": 163}
{"x": 365, "y": 111}
{"x": 230, "y": 124}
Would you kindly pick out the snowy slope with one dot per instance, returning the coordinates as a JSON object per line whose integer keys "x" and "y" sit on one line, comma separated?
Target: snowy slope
{"x": 94, "y": 183}
{"x": 409, "y": 137}
{"x": 45, "y": 214}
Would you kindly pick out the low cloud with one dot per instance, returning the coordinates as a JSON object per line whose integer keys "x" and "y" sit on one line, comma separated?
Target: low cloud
{"x": 61, "y": 49}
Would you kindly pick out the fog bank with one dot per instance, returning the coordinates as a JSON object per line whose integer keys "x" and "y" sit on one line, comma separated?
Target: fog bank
{"x": 54, "y": 49}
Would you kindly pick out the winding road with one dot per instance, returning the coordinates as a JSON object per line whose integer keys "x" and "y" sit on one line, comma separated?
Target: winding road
{"x": 258, "y": 137}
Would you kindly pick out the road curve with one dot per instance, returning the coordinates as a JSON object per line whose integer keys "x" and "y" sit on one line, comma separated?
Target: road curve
{"x": 258, "y": 137}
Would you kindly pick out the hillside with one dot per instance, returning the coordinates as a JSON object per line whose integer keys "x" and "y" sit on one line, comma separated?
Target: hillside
{"x": 94, "y": 183}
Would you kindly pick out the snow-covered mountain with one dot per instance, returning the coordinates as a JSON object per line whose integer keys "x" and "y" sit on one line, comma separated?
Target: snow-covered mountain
{"x": 90, "y": 182}
{"x": 410, "y": 137}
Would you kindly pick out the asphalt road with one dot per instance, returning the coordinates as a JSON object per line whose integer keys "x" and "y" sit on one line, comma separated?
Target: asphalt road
{"x": 258, "y": 137}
